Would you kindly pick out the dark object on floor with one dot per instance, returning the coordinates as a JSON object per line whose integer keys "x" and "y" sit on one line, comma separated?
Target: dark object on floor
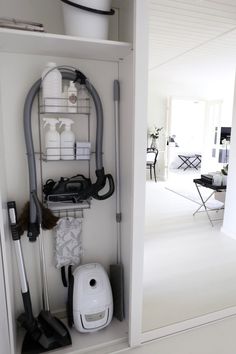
{"x": 49, "y": 220}
{"x": 151, "y": 161}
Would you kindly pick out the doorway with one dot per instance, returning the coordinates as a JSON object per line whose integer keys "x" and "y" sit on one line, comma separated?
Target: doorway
{"x": 187, "y": 261}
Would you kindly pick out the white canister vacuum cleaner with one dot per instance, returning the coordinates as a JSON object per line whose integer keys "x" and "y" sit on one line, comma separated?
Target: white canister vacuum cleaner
{"x": 91, "y": 307}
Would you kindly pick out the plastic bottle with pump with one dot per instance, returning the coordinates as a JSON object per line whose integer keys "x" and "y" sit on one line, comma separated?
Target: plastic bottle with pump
{"x": 51, "y": 88}
{"x": 52, "y": 139}
{"x": 72, "y": 98}
{"x": 67, "y": 140}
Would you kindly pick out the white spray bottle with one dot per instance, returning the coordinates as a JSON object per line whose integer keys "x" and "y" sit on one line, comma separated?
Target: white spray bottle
{"x": 67, "y": 139}
{"x": 52, "y": 139}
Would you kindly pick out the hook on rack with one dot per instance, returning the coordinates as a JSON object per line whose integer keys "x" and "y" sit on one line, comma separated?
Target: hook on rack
{"x": 76, "y": 213}
{"x": 75, "y": 210}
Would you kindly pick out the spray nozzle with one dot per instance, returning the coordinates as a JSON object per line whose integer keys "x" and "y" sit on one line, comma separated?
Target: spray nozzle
{"x": 66, "y": 121}
{"x": 51, "y": 121}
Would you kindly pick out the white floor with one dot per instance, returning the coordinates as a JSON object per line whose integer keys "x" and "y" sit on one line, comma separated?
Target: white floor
{"x": 189, "y": 266}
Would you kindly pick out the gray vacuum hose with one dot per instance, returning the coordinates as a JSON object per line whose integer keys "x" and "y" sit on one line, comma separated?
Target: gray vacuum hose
{"x": 34, "y": 217}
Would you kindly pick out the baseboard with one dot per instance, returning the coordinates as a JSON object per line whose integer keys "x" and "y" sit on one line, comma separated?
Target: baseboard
{"x": 188, "y": 324}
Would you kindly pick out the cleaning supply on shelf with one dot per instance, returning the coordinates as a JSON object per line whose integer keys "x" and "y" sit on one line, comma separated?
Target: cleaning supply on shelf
{"x": 52, "y": 139}
{"x": 67, "y": 140}
{"x": 83, "y": 150}
{"x": 51, "y": 88}
{"x": 83, "y": 100}
{"x": 68, "y": 244}
{"x": 72, "y": 98}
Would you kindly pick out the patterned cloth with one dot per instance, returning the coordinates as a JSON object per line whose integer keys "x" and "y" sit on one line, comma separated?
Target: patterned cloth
{"x": 68, "y": 243}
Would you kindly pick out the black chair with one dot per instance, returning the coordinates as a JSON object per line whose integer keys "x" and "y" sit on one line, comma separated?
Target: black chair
{"x": 151, "y": 161}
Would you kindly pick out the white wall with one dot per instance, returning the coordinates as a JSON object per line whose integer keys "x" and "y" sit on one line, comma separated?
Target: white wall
{"x": 7, "y": 301}
{"x": 138, "y": 167}
{"x": 229, "y": 224}
{"x": 4, "y": 283}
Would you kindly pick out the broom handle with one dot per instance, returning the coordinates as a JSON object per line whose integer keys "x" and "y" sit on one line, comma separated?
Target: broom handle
{"x": 45, "y": 296}
{"x": 20, "y": 263}
{"x": 116, "y": 90}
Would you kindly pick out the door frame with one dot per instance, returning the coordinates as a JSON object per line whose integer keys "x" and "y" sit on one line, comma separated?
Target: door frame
{"x": 212, "y": 317}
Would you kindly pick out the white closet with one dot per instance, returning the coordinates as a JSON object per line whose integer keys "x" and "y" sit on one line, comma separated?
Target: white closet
{"x": 23, "y": 56}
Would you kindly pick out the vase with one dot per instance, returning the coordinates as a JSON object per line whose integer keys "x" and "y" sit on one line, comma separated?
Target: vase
{"x": 154, "y": 143}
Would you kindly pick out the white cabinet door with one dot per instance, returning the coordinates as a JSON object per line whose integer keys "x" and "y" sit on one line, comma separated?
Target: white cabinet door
{"x": 4, "y": 332}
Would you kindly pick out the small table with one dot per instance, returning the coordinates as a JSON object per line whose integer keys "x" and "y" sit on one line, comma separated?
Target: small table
{"x": 191, "y": 161}
{"x": 198, "y": 160}
{"x": 200, "y": 182}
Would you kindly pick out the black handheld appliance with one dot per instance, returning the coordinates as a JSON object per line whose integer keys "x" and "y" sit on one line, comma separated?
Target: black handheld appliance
{"x": 73, "y": 190}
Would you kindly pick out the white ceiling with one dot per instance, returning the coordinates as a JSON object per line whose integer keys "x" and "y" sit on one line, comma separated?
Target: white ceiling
{"x": 195, "y": 37}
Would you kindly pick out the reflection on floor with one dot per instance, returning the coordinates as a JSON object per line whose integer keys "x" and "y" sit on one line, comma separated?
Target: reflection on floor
{"x": 189, "y": 266}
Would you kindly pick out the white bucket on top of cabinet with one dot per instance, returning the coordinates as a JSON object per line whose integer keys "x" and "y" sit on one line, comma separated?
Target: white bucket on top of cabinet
{"x": 90, "y": 21}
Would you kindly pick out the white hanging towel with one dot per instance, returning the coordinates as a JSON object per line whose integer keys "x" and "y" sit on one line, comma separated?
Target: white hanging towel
{"x": 68, "y": 241}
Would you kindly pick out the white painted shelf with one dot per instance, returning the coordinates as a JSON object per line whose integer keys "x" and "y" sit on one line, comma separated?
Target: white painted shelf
{"x": 18, "y": 41}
